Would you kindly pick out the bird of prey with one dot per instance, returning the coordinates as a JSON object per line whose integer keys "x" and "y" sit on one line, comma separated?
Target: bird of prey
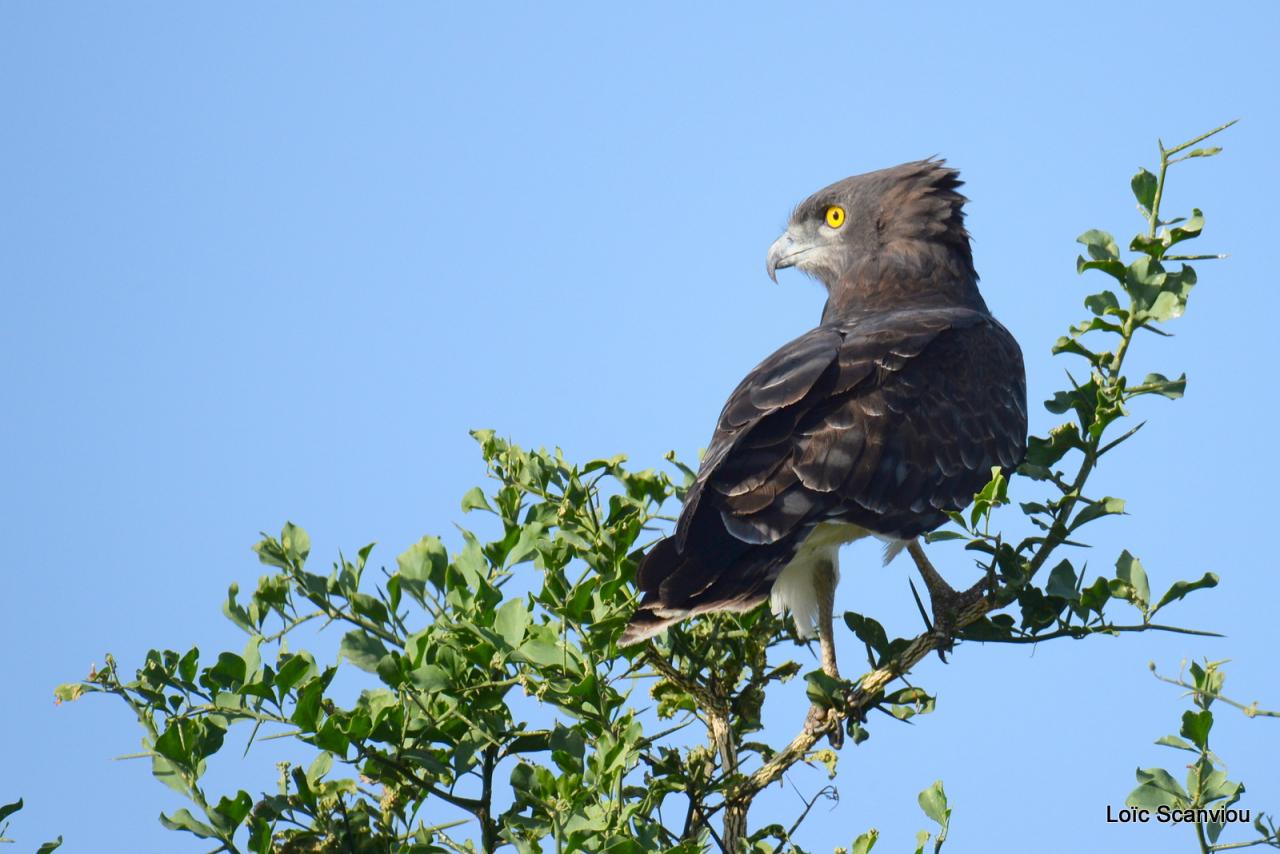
{"x": 888, "y": 414}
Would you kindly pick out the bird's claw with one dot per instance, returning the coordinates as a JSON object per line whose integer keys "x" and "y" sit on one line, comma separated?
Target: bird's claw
{"x": 946, "y": 602}
{"x": 821, "y": 720}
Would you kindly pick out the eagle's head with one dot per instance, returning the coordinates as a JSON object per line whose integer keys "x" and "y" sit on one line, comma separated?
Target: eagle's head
{"x": 898, "y": 232}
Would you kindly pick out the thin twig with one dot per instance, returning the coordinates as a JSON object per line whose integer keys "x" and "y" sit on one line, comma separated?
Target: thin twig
{"x": 1079, "y": 632}
{"x": 1251, "y": 710}
{"x": 829, "y": 792}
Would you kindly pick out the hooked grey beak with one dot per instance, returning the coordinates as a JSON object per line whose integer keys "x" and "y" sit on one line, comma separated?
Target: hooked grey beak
{"x": 782, "y": 253}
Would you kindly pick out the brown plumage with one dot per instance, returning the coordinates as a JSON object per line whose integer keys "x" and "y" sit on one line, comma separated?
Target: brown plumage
{"x": 889, "y": 413}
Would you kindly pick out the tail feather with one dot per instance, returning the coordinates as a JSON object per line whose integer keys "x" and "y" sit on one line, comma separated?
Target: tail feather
{"x": 674, "y": 587}
{"x": 657, "y": 565}
{"x": 644, "y": 625}
{"x": 651, "y": 617}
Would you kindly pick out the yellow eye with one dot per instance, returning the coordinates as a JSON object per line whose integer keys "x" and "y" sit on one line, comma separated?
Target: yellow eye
{"x": 835, "y": 216}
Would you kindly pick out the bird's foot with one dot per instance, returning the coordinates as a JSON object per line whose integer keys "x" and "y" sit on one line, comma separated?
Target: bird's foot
{"x": 945, "y": 601}
{"x": 821, "y": 721}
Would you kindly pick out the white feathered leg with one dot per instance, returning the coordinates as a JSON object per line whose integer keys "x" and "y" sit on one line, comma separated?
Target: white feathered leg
{"x": 824, "y": 583}
{"x": 825, "y": 575}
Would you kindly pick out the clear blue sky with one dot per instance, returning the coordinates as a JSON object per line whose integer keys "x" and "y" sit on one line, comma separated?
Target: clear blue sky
{"x": 269, "y": 262}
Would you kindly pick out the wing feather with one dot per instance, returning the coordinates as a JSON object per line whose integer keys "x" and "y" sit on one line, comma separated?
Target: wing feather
{"x": 885, "y": 421}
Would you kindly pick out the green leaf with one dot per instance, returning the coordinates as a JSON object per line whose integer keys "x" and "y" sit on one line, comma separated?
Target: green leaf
{"x": 189, "y": 664}
{"x": 568, "y": 747}
{"x": 526, "y": 546}
{"x": 431, "y": 678}
{"x": 1104, "y": 303}
{"x": 362, "y": 649}
{"x": 857, "y": 732}
{"x": 330, "y": 737}
{"x": 906, "y": 703}
{"x": 1174, "y": 741}
{"x": 1096, "y": 510}
{"x": 307, "y": 710}
{"x": 259, "y": 689}
{"x": 296, "y": 543}
{"x": 1038, "y": 611}
{"x": 319, "y": 767}
{"x": 992, "y": 495}
{"x": 1095, "y": 324}
{"x": 542, "y": 653}
{"x": 1157, "y": 788}
{"x": 1196, "y": 726}
{"x": 1062, "y": 582}
{"x": 512, "y": 621}
{"x": 1216, "y": 786}
{"x": 1113, "y": 268}
{"x": 1144, "y": 189}
{"x": 1095, "y": 596}
{"x": 933, "y": 801}
{"x": 184, "y": 820}
{"x": 292, "y": 671}
{"x": 1153, "y": 246}
{"x": 1100, "y": 245}
{"x": 529, "y": 742}
{"x": 1047, "y": 451}
{"x": 167, "y": 772}
{"x": 1082, "y": 399}
{"x": 1180, "y": 589}
{"x": 1071, "y": 345}
{"x": 271, "y": 553}
{"x": 229, "y": 813}
{"x": 994, "y": 628}
{"x": 471, "y": 565}
{"x": 424, "y": 560}
{"x": 175, "y": 744}
{"x": 68, "y": 692}
{"x": 235, "y": 612}
{"x": 1129, "y": 570}
{"x": 829, "y": 759}
{"x": 1189, "y": 229}
{"x": 228, "y": 672}
{"x": 50, "y": 846}
{"x": 370, "y": 607}
{"x": 868, "y": 631}
{"x": 943, "y": 536}
{"x": 823, "y": 690}
{"x": 475, "y": 500}
{"x": 1143, "y": 280}
{"x": 864, "y": 843}
{"x": 1171, "y": 301}
{"x": 1162, "y": 385}
{"x": 9, "y": 809}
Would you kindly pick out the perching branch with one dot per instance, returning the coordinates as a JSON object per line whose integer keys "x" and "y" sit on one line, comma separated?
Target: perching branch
{"x": 867, "y": 694}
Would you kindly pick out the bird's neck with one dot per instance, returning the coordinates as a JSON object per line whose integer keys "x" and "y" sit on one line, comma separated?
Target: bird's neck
{"x": 918, "y": 274}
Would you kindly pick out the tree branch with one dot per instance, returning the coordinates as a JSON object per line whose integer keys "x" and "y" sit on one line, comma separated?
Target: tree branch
{"x": 864, "y": 697}
{"x": 1250, "y": 710}
{"x": 707, "y": 700}
{"x": 471, "y": 805}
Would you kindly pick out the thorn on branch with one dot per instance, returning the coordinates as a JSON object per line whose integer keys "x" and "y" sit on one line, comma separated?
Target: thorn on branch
{"x": 924, "y": 615}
